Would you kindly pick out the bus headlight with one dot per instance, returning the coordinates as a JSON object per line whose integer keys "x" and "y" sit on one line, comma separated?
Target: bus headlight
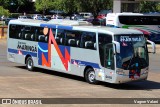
{"x": 101, "y": 74}
{"x": 120, "y": 71}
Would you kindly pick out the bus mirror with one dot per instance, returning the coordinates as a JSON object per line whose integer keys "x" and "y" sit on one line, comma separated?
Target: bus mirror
{"x": 117, "y": 46}
{"x": 153, "y": 46}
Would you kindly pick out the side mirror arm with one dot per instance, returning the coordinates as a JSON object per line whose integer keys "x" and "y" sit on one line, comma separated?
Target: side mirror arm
{"x": 117, "y": 46}
{"x": 153, "y": 46}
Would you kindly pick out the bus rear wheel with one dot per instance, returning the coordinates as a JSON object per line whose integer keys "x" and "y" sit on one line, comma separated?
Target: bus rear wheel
{"x": 90, "y": 76}
{"x": 29, "y": 64}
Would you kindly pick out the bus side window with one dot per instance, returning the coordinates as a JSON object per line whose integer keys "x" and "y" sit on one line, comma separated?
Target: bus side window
{"x": 73, "y": 38}
{"x": 70, "y": 39}
{"x": 32, "y": 37}
{"x": 78, "y": 38}
{"x": 21, "y": 33}
{"x": 32, "y": 34}
{"x": 36, "y": 33}
{"x": 27, "y": 36}
{"x": 103, "y": 39}
{"x": 54, "y": 32}
{"x": 41, "y": 36}
{"x": 46, "y": 36}
{"x": 88, "y": 40}
{"x": 27, "y": 31}
{"x": 12, "y": 31}
{"x": 15, "y": 31}
{"x": 60, "y": 37}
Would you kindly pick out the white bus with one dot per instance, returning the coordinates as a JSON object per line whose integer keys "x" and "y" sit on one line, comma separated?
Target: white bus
{"x": 78, "y": 48}
{"x": 149, "y": 24}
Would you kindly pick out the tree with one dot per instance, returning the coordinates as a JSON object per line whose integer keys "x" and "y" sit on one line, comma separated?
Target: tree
{"x": 149, "y": 6}
{"x": 69, "y": 6}
{"x": 4, "y": 3}
{"x": 94, "y": 6}
{"x": 3, "y": 11}
{"x": 43, "y": 5}
{"x": 72, "y": 6}
{"x": 158, "y": 7}
{"x": 15, "y": 5}
{"x": 20, "y": 3}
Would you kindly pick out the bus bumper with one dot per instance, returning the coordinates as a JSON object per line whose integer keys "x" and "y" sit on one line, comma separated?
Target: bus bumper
{"x": 123, "y": 78}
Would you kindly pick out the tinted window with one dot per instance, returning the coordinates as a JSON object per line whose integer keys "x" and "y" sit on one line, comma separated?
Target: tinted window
{"x": 41, "y": 36}
{"x": 30, "y": 33}
{"x": 14, "y": 31}
{"x": 60, "y": 38}
{"x": 103, "y": 40}
{"x": 73, "y": 38}
{"x": 88, "y": 40}
{"x": 139, "y": 20}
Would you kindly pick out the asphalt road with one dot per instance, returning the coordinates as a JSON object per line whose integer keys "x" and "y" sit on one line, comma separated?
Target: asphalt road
{"x": 17, "y": 82}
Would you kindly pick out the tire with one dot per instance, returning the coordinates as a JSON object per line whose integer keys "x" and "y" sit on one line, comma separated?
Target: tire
{"x": 90, "y": 76}
{"x": 29, "y": 64}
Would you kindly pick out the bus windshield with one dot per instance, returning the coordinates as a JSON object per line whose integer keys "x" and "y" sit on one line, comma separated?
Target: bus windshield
{"x": 133, "y": 52}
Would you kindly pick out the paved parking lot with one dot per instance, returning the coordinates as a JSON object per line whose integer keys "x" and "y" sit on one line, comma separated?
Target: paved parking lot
{"x": 17, "y": 82}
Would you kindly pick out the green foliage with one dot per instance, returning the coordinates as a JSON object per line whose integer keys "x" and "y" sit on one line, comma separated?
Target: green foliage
{"x": 14, "y": 4}
{"x": 95, "y": 6}
{"x": 158, "y": 7}
{"x": 71, "y": 6}
{"x": 149, "y": 6}
{"x": 43, "y": 5}
{"x": 4, "y": 3}
{"x": 14, "y": 15}
{"x": 4, "y": 12}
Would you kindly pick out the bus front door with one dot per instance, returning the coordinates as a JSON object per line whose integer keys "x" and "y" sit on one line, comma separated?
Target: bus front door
{"x": 109, "y": 64}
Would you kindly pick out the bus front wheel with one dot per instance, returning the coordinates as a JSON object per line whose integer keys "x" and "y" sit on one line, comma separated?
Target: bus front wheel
{"x": 90, "y": 76}
{"x": 29, "y": 64}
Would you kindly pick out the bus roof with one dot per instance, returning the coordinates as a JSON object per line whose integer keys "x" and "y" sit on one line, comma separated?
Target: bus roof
{"x": 69, "y": 22}
{"x": 109, "y": 30}
{"x": 74, "y": 25}
{"x": 125, "y": 13}
{"x": 118, "y": 31}
{"x": 132, "y": 14}
{"x": 30, "y": 22}
{"x": 54, "y": 22}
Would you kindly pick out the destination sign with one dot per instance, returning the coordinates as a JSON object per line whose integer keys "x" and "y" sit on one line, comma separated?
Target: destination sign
{"x": 129, "y": 39}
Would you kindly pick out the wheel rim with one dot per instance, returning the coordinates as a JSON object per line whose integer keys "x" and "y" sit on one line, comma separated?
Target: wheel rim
{"x": 91, "y": 76}
{"x": 30, "y": 64}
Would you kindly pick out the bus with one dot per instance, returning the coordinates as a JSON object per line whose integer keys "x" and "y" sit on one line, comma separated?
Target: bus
{"x": 76, "y": 47}
{"x": 149, "y": 24}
